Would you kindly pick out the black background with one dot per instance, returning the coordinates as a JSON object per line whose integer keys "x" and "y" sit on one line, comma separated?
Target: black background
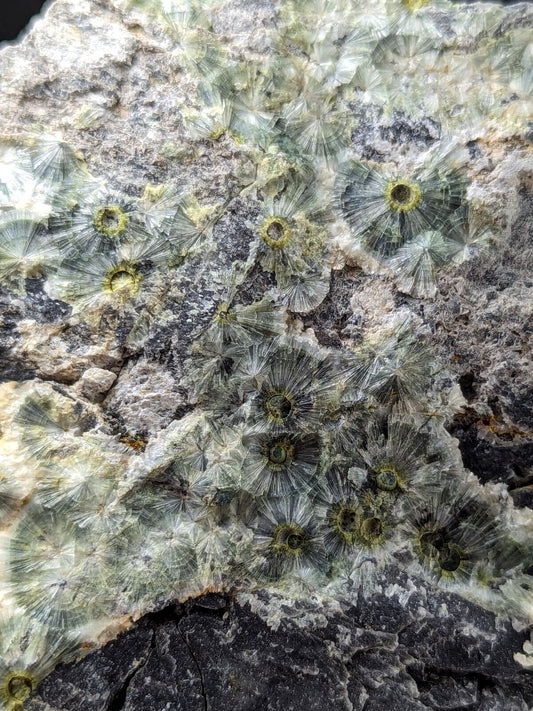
{"x": 15, "y": 15}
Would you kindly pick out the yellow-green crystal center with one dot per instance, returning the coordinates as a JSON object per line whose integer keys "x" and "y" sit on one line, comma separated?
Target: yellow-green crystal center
{"x": 275, "y": 232}
{"x": 278, "y": 407}
{"x": 224, "y": 314}
{"x": 288, "y": 538}
{"x": 402, "y": 195}
{"x": 387, "y": 480}
{"x": 372, "y": 529}
{"x": 18, "y": 687}
{"x": 345, "y": 521}
{"x": 123, "y": 280}
{"x": 280, "y": 453}
{"x": 110, "y": 220}
{"x": 430, "y": 543}
{"x": 415, "y": 4}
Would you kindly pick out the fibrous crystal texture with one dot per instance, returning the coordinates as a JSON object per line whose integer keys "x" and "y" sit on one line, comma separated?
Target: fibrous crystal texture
{"x": 191, "y": 402}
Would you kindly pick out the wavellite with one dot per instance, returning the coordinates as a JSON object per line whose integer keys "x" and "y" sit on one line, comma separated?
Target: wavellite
{"x": 264, "y": 288}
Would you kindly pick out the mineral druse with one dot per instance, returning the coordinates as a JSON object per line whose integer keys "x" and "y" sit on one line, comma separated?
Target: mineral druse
{"x": 185, "y": 406}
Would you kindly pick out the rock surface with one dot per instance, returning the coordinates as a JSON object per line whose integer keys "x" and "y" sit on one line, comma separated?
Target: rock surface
{"x": 105, "y": 76}
{"x": 227, "y": 653}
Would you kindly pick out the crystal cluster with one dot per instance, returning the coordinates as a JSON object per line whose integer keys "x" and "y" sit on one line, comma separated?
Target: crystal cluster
{"x": 291, "y": 463}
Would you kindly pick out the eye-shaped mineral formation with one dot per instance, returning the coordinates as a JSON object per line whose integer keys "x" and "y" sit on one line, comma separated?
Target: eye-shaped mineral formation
{"x": 278, "y": 278}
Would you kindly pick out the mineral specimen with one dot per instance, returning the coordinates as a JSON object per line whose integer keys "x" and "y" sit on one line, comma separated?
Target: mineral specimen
{"x": 225, "y": 276}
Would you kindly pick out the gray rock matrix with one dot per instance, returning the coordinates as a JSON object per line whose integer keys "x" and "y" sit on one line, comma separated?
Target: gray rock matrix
{"x": 107, "y": 76}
